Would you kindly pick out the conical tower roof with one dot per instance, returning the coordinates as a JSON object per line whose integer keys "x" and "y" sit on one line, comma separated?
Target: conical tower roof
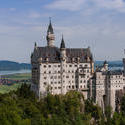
{"x": 50, "y": 28}
{"x": 62, "y": 43}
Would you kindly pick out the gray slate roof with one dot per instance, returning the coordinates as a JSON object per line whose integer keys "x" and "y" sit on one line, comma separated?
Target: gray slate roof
{"x": 53, "y": 54}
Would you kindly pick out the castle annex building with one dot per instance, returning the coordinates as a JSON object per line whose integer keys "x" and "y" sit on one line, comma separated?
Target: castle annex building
{"x": 106, "y": 85}
{"x": 59, "y": 69}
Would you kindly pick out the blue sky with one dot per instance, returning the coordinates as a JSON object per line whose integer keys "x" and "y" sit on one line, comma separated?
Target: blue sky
{"x": 99, "y": 24}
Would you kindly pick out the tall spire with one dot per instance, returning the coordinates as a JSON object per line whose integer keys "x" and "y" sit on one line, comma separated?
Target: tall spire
{"x": 35, "y": 45}
{"x": 50, "y": 35}
{"x": 62, "y": 43}
{"x": 50, "y": 28}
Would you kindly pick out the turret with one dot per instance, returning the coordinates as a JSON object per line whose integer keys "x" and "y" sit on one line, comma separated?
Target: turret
{"x": 105, "y": 65}
{"x": 63, "y": 50}
{"x": 35, "y": 46}
{"x": 50, "y": 35}
{"x": 63, "y": 66}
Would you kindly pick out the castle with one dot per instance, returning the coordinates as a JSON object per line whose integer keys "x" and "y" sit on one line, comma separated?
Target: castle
{"x": 59, "y": 69}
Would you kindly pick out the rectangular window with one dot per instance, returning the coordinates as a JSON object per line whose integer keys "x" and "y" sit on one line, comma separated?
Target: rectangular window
{"x": 82, "y": 76}
{"x": 67, "y": 76}
{"x": 86, "y": 65}
{"x": 44, "y": 83}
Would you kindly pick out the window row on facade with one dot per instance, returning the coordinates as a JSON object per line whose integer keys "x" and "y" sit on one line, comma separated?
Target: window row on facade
{"x": 67, "y": 77}
{"x": 58, "y": 65}
{"x": 69, "y": 82}
{"x": 69, "y": 87}
{"x": 69, "y": 71}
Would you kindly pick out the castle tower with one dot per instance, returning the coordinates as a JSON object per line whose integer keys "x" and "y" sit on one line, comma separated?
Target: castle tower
{"x": 124, "y": 63}
{"x": 35, "y": 45}
{"x": 63, "y": 50}
{"x": 50, "y": 35}
{"x": 63, "y": 66}
{"x": 105, "y": 65}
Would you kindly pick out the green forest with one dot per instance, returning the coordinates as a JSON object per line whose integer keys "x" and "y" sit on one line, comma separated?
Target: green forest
{"x": 21, "y": 107}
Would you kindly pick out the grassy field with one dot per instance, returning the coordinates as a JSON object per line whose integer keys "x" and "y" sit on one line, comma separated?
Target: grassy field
{"x": 19, "y": 76}
{"x": 6, "y": 88}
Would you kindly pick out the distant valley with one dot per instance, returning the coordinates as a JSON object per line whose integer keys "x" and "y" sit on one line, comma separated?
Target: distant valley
{"x": 10, "y": 65}
{"x": 110, "y": 63}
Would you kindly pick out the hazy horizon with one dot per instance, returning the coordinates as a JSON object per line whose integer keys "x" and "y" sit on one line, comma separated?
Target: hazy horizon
{"x": 99, "y": 24}
{"x": 94, "y": 61}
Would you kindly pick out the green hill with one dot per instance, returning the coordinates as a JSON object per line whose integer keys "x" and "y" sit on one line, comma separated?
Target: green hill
{"x": 9, "y": 65}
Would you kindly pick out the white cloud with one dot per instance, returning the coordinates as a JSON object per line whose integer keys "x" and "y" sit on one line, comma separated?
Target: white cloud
{"x": 118, "y": 5}
{"x": 71, "y": 5}
{"x": 12, "y": 9}
{"x": 34, "y": 15}
{"x": 76, "y": 5}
